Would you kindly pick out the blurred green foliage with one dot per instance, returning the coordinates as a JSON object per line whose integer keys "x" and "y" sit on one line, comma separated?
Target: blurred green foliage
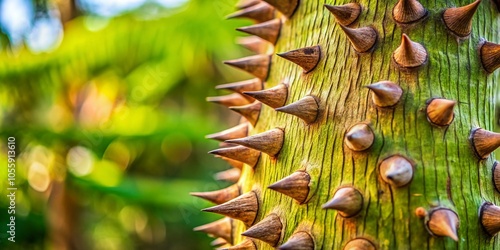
{"x": 110, "y": 129}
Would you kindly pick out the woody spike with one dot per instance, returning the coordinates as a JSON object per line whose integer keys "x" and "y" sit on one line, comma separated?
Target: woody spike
{"x": 269, "y": 142}
{"x": 239, "y": 153}
{"x": 230, "y": 175}
{"x": 260, "y": 12}
{"x": 306, "y": 109}
{"x": 345, "y": 14}
{"x": 443, "y": 222}
{"x": 408, "y": 11}
{"x": 268, "y": 31}
{"x": 246, "y": 244}
{"x": 221, "y": 228}
{"x": 274, "y": 97}
{"x": 359, "y": 137}
{"x": 347, "y": 201}
{"x": 359, "y": 244}
{"x": 490, "y": 56}
{"x": 385, "y": 93}
{"x": 459, "y": 20}
{"x": 439, "y": 111}
{"x": 489, "y": 216}
{"x": 298, "y": 240}
{"x": 253, "y": 43}
{"x": 362, "y": 39}
{"x": 295, "y": 186}
{"x": 242, "y": 86}
{"x": 307, "y": 58}
{"x": 257, "y": 65}
{"x": 237, "y": 131}
{"x": 231, "y": 162}
{"x": 267, "y": 230}
{"x": 409, "y": 54}
{"x": 396, "y": 170}
{"x": 496, "y": 176}
{"x": 229, "y": 100}
{"x": 243, "y": 208}
{"x": 287, "y": 7}
{"x": 250, "y": 111}
{"x": 484, "y": 142}
{"x": 219, "y": 196}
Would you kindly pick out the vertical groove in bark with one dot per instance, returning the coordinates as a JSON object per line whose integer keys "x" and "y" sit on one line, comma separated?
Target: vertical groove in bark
{"x": 446, "y": 173}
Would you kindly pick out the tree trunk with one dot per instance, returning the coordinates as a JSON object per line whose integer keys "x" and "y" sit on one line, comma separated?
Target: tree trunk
{"x": 449, "y": 178}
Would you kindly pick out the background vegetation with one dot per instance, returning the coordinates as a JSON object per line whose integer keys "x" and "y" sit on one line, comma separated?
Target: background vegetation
{"x": 109, "y": 116}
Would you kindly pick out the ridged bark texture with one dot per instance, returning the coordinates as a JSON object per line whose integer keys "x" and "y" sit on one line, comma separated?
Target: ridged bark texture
{"x": 446, "y": 171}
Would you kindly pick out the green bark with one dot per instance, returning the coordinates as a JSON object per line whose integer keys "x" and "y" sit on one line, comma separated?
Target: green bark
{"x": 447, "y": 173}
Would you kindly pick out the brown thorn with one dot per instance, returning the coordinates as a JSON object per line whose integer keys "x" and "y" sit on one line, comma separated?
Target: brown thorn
{"x": 295, "y": 186}
{"x": 221, "y": 228}
{"x": 345, "y": 14}
{"x": 396, "y": 170}
{"x": 490, "y": 56}
{"x": 246, "y": 244}
{"x": 274, "y": 97}
{"x": 443, "y": 222}
{"x": 250, "y": 111}
{"x": 239, "y": 153}
{"x": 484, "y": 142}
{"x": 229, "y": 100}
{"x": 439, "y": 111}
{"x": 408, "y": 11}
{"x": 287, "y": 7}
{"x": 489, "y": 215}
{"x": 362, "y": 39}
{"x": 267, "y": 230}
{"x": 307, "y": 58}
{"x": 260, "y": 12}
{"x": 219, "y": 196}
{"x": 359, "y": 244}
{"x": 231, "y": 162}
{"x": 230, "y": 175}
{"x": 409, "y": 54}
{"x": 347, "y": 201}
{"x": 243, "y": 208}
{"x": 237, "y": 131}
{"x": 299, "y": 240}
{"x": 268, "y": 31}
{"x": 253, "y": 43}
{"x": 306, "y": 109}
{"x": 459, "y": 20}
{"x": 359, "y": 137}
{"x": 385, "y": 93}
{"x": 269, "y": 142}
{"x": 257, "y": 65}
{"x": 242, "y": 86}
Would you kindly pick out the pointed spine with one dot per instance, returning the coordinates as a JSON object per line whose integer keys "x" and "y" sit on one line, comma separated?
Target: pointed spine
{"x": 287, "y": 7}
{"x": 295, "y": 186}
{"x": 347, "y": 201}
{"x": 307, "y": 58}
{"x": 250, "y": 111}
{"x": 253, "y": 43}
{"x": 359, "y": 137}
{"x": 230, "y": 175}
{"x": 243, "y": 208}
{"x": 267, "y": 230}
{"x": 299, "y": 240}
{"x": 235, "y": 132}
{"x": 409, "y": 54}
{"x": 443, "y": 222}
{"x": 269, "y": 142}
{"x": 242, "y": 86}
{"x": 385, "y": 94}
{"x": 274, "y": 97}
{"x": 231, "y": 162}
{"x": 345, "y": 14}
{"x": 219, "y": 196}
{"x": 229, "y": 100}
{"x": 408, "y": 11}
{"x": 239, "y": 153}
{"x": 257, "y": 65}
{"x": 306, "y": 109}
{"x": 396, "y": 170}
{"x": 362, "y": 39}
{"x": 484, "y": 142}
{"x": 360, "y": 244}
{"x": 268, "y": 31}
{"x": 247, "y": 244}
{"x": 439, "y": 111}
{"x": 489, "y": 216}
{"x": 459, "y": 20}
{"x": 221, "y": 228}
{"x": 490, "y": 56}
{"x": 260, "y": 12}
